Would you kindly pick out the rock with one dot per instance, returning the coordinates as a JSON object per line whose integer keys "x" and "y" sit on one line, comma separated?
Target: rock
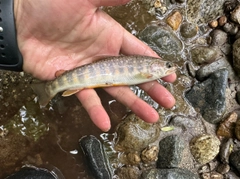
{"x": 226, "y": 128}
{"x": 96, "y": 157}
{"x": 212, "y": 175}
{"x": 150, "y": 154}
{"x": 168, "y": 174}
{"x": 170, "y": 152}
{"x": 174, "y": 20}
{"x": 188, "y": 30}
{"x": 230, "y": 5}
{"x": 230, "y": 175}
{"x": 238, "y": 97}
{"x": 237, "y": 129}
{"x": 209, "y": 96}
{"x": 223, "y": 168}
{"x": 225, "y": 150}
{"x": 162, "y": 40}
{"x": 219, "y": 37}
{"x": 234, "y": 159}
{"x": 235, "y": 15}
{"x": 33, "y": 173}
{"x": 230, "y": 28}
{"x": 222, "y": 20}
{"x": 236, "y": 56}
{"x": 202, "y": 54}
{"x": 204, "y": 148}
{"x": 208, "y": 69}
{"x": 133, "y": 134}
{"x": 128, "y": 172}
{"x": 213, "y": 24}
{"x": 204, "y": 11}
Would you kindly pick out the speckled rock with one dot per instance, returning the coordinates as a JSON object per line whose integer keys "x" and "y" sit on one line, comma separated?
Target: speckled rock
{"x": 204, "y": 148}
{"x": 234, "y": 159}
{"x": 96, "y": 157}
{"x": 168, "y": 174}
{"x": 150, "y": 154}
{"x": 203, "y": 54}
{"x": 219, "y": 37}
{"x": 204, "y": 11}
{"x": 235, "y": 15}
{"x": 174, "y": 20}
{"x": 209, "y": 96}
{"x": 170, "y": 152}
{"x": 162, "y": 40}
{"x": 236, "y": 56}
{"x": 133, "y": 134}
{"x": 128, "y": 172}
{"x": 188, "y": 30}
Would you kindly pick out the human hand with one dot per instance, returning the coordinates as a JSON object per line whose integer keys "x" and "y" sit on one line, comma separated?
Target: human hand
{"x": 63, "y": 34}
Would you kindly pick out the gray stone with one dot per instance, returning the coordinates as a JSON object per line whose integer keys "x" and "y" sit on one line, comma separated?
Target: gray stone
{"x": 188, "y": 30}
{"x": 96, "y": 157}
{"x": 175, "y": 173}
{"x": 209, "y": 96}
{"x": 234, "y": 159}
{"x": 208, "y": 69}
{"x": 230, "y": 28}
{"x": 235, "y": 15}
{"x": 202, "y": 54}
{"x": 170, "y": 152}
{"x": 133, "y": 134}
{"x": 162, "y": 40}
{"x": 225, "y": 150}
{"x": 219, "y": 37}
{"x": 236, "y": 56}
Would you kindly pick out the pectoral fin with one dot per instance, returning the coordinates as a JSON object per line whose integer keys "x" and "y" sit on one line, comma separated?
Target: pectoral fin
{"x": 145, "y": 75}
{"x": 59, "y": 73}
{"x": 70, "y": 92}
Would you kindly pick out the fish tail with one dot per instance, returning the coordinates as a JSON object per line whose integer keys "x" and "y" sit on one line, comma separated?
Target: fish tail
{"x": 43, "y": 96}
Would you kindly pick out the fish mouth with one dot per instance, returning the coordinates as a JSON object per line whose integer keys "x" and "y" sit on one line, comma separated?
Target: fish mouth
{"x": 172, "y": 70}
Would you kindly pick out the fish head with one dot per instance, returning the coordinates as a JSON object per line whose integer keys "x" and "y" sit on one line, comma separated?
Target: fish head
{"x": 162, "y": 68}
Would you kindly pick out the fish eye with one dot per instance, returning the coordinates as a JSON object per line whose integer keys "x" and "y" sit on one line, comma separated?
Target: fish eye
{"x": 169, "y": 64}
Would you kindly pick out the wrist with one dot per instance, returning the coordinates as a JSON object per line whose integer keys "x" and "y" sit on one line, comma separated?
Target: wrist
{"x": 10, "y": 57}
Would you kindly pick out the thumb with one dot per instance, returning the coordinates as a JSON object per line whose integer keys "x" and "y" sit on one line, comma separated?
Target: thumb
{"x": 99, "y": 3}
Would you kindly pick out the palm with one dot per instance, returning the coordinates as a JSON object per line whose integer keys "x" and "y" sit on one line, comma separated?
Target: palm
{"x": 60, "y": 35}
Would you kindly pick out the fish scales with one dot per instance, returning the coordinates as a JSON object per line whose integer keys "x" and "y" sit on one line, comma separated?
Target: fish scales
{"x": 113, "y": 71}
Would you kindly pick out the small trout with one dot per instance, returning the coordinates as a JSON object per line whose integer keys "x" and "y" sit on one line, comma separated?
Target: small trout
{"x": 112, "y": 71}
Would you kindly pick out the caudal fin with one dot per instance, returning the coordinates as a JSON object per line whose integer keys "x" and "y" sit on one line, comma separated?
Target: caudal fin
{"x": 43, "y": 97}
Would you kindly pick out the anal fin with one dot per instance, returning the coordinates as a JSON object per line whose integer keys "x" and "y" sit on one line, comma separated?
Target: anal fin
{"x": 70, "y": 92}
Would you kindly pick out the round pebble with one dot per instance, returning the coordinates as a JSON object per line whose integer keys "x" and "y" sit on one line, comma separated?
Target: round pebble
{"x": 188, "y": 30}
{"x": 237, "y": 129}
{"x": 204, "y": 148}
{"x": 213, "y": 24}
{"x": 230, "y": 28}
{"x": 222, "y": 20}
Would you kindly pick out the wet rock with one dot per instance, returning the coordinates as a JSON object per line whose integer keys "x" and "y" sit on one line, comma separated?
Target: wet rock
{"x": 204, "y": 11}
{"x": 225, "y": 150}
{"x": 188, "y": 30}
{"x": 219, "y": 37}
{"x": 208, "y": 69}
{"x": 174, "y": 20}
{"x": 230, "y": 175}
{"x": 222, "y": 20}
{"x": 128, "y": 172}
{"x": 236, "y": 56}
{"x": 213, "y": 24}
{"x": 202, "y": 54}
{"x": 204, "y": 148}
{"x": 237, "y": 129}
{"x": 162, "y": 40}
{"x": 223, "y": 168}
{"x": 96, "y": 157}
{"x": 33, "y": 173}
{"x": 133, "y": 134}
{"x": 230, "y": 28}
{"x": 229, "y": 5}
{"x": 234, "y": 159}
{"x": 226, "y": 128}
{"x": 212, "y": 175}
{"x": 235, "y": 15}
{"x": 133, "y": 158}
{"x": 169, "y": 174}
{"x": 150, "y": 154}
{"x": 170, "y": 152}
{"x": 238, "y": 97}
{"x": 209, "y": 96}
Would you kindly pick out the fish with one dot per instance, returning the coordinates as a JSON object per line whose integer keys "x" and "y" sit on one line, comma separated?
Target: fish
{"x": 110, "y": 71}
